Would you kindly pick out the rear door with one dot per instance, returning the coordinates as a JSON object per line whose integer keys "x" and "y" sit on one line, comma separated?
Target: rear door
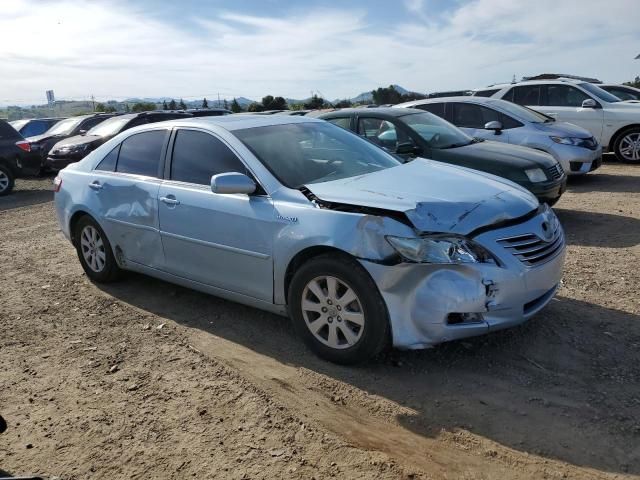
{"x": 225, "y": 241}
{"x": 125, "y": 187}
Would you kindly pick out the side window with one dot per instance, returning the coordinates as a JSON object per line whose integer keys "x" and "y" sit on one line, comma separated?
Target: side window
{"x": 108, "y": 163}
{"x": 435, "y": 108}
{"x": 381, "y": 132}
{"x": 197, "y": 156}
{"x": 140, "y": 154}
{"x": 344, "y": 122}
{"x": 564, "y": 96}
{"x": 527, "y": 94}
{"x": 467, "y": 115}
{"x": 509, "y": 122}
{"x": 35, "y": 127}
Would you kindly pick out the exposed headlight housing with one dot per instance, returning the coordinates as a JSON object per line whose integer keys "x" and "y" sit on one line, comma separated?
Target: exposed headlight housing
{"x": 536, "y": 175}
{"x": 441, "y": 249}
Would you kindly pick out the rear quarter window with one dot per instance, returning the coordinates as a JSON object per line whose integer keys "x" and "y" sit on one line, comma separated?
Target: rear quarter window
{"x": 140, "y": 154}
{"x": 435, "y": 108}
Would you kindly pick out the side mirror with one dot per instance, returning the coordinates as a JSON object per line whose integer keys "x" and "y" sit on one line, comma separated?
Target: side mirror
{"x": 407, "y": 148}
{"x": 589, "y": 103}
{"x": 82, "y": 132}
{"x": 233, "y": 182}
{"x": 494, "y": 125}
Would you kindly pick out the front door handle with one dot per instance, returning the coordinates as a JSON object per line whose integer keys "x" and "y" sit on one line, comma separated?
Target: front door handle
{"x": 95, "y": 185}
{"x": 170, "y": 200}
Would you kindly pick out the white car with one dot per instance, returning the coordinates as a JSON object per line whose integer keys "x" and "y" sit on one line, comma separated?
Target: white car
{"x": 614, "y": 123}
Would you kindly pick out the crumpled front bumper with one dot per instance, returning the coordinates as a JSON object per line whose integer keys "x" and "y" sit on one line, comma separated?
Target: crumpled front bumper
{"x": 420, "y": 298}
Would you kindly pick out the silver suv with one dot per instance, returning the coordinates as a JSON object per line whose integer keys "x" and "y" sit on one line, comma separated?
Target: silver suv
{"x": 573, "y": 147}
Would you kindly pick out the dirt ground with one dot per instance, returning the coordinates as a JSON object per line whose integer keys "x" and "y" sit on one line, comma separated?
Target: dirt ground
{"x": 143, "y": 379}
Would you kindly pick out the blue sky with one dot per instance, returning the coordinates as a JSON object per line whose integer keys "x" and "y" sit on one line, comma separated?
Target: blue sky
{"x": 195, "y": 48}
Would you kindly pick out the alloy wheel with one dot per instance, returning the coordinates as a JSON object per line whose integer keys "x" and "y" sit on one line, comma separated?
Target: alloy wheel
{"x": 93, "y": 248}
{"x": 630, "y": 146}
{"x": 332, "y": 312}
{"x": 4, "y": 181}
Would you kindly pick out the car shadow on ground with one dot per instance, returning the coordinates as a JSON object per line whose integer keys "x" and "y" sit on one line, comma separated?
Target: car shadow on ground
{"x": 25, "y": 198}
{"x": 559, "y": 386}
{"x": 599, "y": 181}
{"x": 593, "y": 229}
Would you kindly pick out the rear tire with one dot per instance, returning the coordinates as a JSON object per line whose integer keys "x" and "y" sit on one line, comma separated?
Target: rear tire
{"x": 94, "y": 251}
{"x": 627, "y": 146}
{"x": 337, "y": 309}
{"x": 7, "y": 180}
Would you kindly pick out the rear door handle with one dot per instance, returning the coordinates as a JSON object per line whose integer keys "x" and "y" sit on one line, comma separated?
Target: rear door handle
{"x": 95, "y": 185}
{"x": 170, "y": 200}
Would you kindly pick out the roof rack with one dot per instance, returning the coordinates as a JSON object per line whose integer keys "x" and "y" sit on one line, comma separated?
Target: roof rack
{"x": 562, "y": 77}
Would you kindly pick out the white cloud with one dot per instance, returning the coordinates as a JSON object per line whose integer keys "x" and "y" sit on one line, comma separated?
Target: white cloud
{"x": 116, "y": 50}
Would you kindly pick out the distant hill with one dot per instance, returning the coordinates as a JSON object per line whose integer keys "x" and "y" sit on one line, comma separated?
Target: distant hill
{"x": 367, "y": 97}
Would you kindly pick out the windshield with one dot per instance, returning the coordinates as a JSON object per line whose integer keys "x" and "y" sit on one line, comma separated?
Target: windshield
{"x": 313, "y": 152}
{"x": 109, "y": 127}
{"x": 600, "y": 93}
{"x": 438, "y": 133}
{"x": 522, "y": 112}
{"x": 64, "y": 127}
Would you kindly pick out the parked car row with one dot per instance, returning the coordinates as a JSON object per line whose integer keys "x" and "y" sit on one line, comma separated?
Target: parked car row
{"x": 298, "y": 216}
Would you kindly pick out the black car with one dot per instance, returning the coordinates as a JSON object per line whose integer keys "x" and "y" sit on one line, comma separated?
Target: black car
{"x": 16, "y": 158}
{"x": 73, "y": 149}
{"x": 410, "y": 133}
{"x": 29, "y": 127}
{"x": 65, "y": 129}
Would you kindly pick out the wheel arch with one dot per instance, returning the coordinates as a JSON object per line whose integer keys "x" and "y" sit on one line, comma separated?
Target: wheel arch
{"x": 73, "y": 221}
{"x": 304, "y": 256}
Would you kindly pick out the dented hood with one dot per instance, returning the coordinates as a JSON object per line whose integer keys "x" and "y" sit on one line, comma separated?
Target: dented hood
{"x": 434, "y": 196}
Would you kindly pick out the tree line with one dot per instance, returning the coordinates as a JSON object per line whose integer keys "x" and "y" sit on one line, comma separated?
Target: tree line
{"x": 380, "y": 96}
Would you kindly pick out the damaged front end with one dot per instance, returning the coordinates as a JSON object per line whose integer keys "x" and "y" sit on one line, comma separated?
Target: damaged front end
{"x": 447, "y": 269}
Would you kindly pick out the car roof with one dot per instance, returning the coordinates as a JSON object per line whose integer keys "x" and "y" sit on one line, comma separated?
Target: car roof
{"x": 383, "y": 111}
{"x": 557, "y": 81}
{"x": 238, "y": 122}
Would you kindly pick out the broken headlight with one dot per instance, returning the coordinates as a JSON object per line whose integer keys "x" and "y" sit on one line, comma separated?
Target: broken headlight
{"x": 441, "y": 249}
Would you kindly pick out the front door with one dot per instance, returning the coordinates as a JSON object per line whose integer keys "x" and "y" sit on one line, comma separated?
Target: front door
{"x": 225, "y": 241}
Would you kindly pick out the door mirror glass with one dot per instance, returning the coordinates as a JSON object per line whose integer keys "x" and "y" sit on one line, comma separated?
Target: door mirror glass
{"x": 233, "y": 182}
{"x": 493, "y": 125}
{"x": 589, "y": 103}
{"x": 406, "y": 148}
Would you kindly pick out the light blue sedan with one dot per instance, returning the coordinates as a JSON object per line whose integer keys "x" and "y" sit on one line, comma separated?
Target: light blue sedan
{"x": 297, "y": 216}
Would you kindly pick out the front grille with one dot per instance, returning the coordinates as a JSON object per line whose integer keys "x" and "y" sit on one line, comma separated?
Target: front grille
{"x": 555, "y": 172}
{"x": 532, "y": 250}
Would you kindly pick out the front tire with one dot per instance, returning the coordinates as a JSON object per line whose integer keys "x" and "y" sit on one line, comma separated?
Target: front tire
{"x": 94, "y": 251}
{"x": 7, "y": 180}
{"x": 337, "y": 309}
{"x": 627, "y": 146}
